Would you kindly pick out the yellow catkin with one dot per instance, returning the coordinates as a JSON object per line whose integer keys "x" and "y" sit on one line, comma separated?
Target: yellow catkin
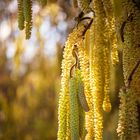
{"x": 20, "y": 15}
{"x": 106, "y": 102}
{"x": 109, "y": 37}
{"x": 84, "y": 5}
{"x": 63, "y": 109}
{"x": 128, "y": 115}
{"x": 27, "y": 4}
{"x": 131, "y": 48}
{"x": 98, "y": 44}
{"x": 84, "y": 65}
{"x": 74, "y": 109}
{"x": 111, "y": 30}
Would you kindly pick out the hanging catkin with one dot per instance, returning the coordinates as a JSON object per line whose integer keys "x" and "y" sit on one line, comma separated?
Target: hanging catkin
{"x": 109, "y": 37}
{"x": 98, "y": 44}
{"x": 111, "y": 30}
{"x": 74, "y": 109}
{"x": 20, "y": 15}
{"x": 131, "y": 47}
{"x": 84, "y": 65}
{"x": 63, "y": 110}
{"x": 128, "y": 113}
{"x": 106, "y": 101}
{"x": 83, "y": 106}
{"x": 27, "y": 4}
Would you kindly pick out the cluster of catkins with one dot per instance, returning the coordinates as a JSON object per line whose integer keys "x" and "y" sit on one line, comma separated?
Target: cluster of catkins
{"x": 128, "y": 126}
{"x": 25, "y": 15}
{"x": 97, "y": 50}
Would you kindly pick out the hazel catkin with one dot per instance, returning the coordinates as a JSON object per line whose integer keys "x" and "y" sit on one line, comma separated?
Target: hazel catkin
{"x": 74, "y": 109}
{"x": 64, "y": 109}
{"x": 27, "y": 4}
{"x": 21, "y": 18}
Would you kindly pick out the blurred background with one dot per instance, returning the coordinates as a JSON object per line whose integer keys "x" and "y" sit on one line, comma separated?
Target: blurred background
{"x": 30, "y": 72}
